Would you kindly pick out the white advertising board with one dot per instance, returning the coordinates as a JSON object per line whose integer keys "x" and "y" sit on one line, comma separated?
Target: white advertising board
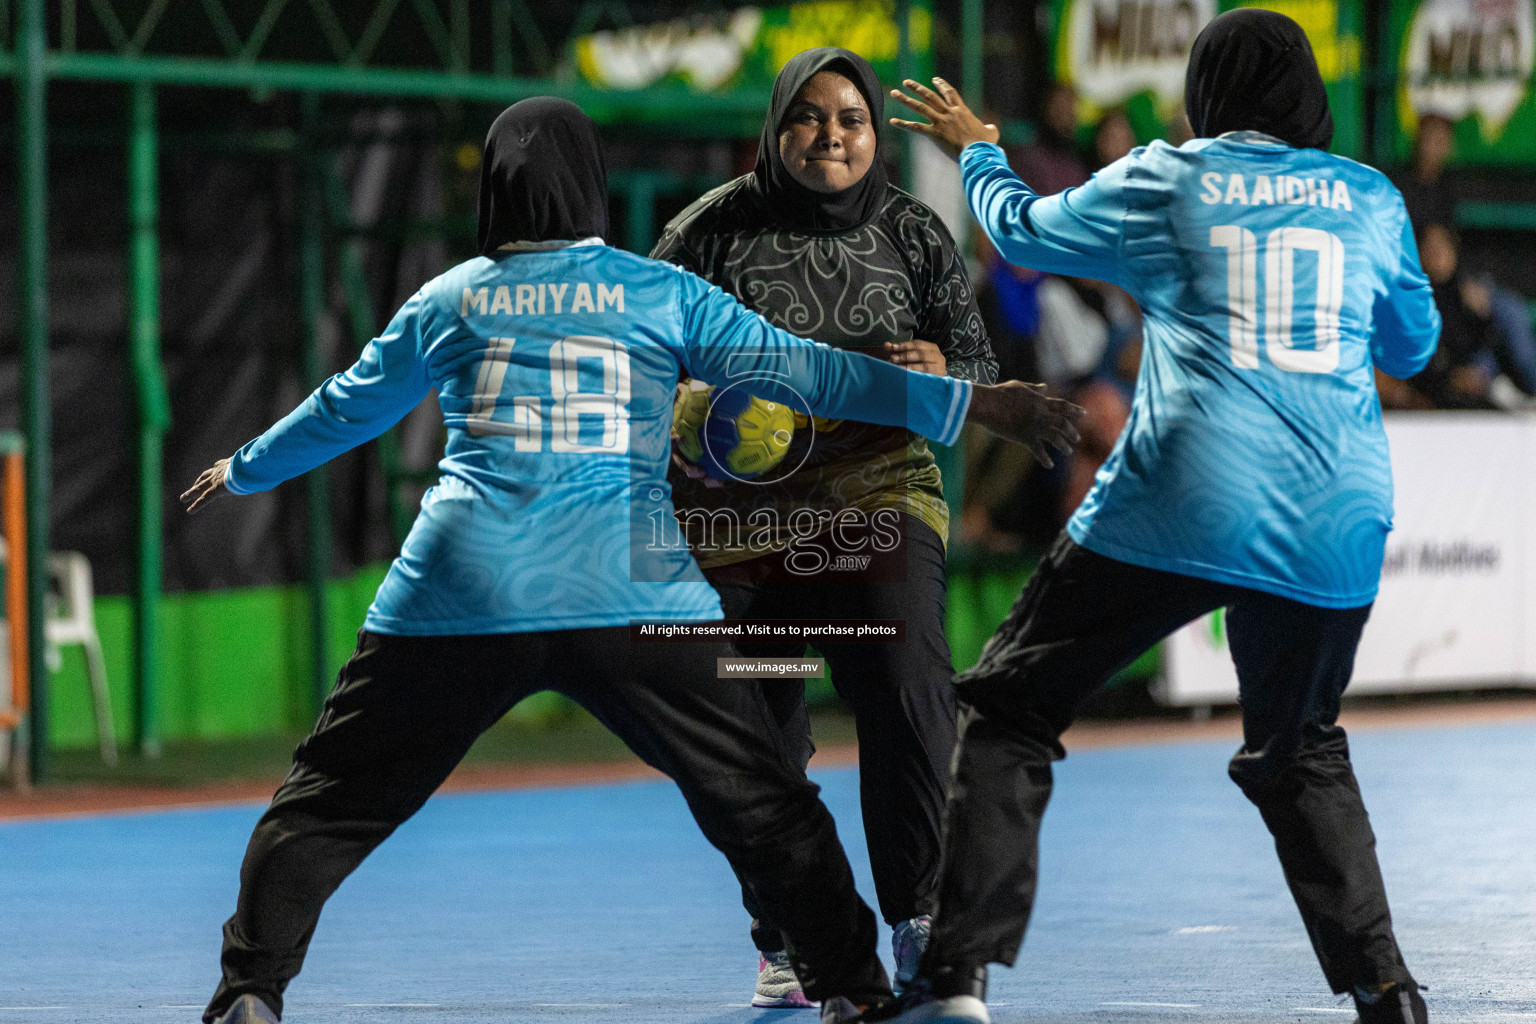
{"x": 1457, "y": 607}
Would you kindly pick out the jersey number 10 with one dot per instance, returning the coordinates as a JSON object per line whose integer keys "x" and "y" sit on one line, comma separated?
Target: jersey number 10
{"x": 569, "y": 404}
{"x": 1279, "y": 296}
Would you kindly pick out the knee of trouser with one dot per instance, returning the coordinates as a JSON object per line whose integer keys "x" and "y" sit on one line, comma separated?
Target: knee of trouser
{"x": 745, "y": 816}
{"x": 1009, "y": 719}
{"x": 1280, "y": 769}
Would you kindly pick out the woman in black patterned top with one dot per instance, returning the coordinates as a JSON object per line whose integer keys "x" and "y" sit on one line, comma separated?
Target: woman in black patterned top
{"x": 854, "y": 525}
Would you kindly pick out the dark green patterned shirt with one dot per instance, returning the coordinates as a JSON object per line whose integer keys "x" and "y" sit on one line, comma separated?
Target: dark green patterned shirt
{"x": 895, "y": 278}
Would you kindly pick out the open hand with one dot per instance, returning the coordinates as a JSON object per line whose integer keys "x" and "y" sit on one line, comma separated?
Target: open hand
{"x": 950, "y": 122}
{"x": 1025, "y": 413}
{"x": 208, "y": 486}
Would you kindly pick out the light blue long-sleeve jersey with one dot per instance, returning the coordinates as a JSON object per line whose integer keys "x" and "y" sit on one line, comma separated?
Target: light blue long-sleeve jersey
{"x": 1272, "y": 280}
{"x": 555, "y": 369}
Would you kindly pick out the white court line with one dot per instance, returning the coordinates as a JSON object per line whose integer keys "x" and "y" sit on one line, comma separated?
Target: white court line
{"x": 585, "y": 1006}
{"x": 1203, "y": 929}
{"x": 1177, "y": 1006}
{"x": 385, "y": 1006}
{"x": 1323, "y": 1009}
{"x": 181, "y": 1006}
{"x": 36, "y": 1007}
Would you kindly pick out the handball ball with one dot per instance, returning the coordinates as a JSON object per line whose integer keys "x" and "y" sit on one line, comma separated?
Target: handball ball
{"x": 731, "y": 434}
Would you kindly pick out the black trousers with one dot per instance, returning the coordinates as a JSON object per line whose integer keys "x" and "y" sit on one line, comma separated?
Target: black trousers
{"x": 404, "y": 712}
{"x": 1084, "y": 617}
{"x": 901, "y": 694}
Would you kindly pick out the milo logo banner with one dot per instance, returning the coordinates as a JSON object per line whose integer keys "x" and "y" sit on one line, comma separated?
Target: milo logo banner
{"x": 745, "y": 48}
{"x": 1469, "y": 61}
{"x": 1132, "y": 54}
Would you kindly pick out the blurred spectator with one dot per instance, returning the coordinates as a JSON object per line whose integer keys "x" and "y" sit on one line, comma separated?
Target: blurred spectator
{"x": 1460, "y": 374}
{"x": 1073, "y": 334}
{"x": 1106, "y": 390}
{"x": 1050, "y": 163}
{"x": 1487, "y": 354}
{"x": 1516, "y": 387}
{"x": 1112, "y": 139}
{"x": 1009, "y": 300}
{"x": 1008, "y": 297}
{"x": 1426, "y": 192}
{"x": 1084, "y": 339}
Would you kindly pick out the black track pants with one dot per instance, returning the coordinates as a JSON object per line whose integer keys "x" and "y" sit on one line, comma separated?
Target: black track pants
{"x": 902, "y": 697}
{"x": 404, "y": 712}
{"x": 1084, "y": 617}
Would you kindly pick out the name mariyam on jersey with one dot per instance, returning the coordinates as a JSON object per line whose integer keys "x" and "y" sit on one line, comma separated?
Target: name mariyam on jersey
{"x": 1281, "y": 190}
{"x": 539, "y": 299}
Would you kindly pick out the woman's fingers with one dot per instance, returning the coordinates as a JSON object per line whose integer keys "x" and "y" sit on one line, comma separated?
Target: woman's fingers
{"x": 929, "y": 96}
{"x": 950, "y": 94}
{"x": 198, "y": 484}
{"x": 916, "y": 126}
{"x": 204, "y": 496}
{"x": 208, "y": 486}
{"x": 914, "y": 104}
{"x": 1065, "y": 436}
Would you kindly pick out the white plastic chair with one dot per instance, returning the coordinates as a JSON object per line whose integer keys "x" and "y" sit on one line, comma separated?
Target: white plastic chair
{"x": 70, "y": 620}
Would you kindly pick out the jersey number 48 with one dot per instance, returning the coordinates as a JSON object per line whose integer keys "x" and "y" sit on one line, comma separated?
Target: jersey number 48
{"x": 569, "y": 403}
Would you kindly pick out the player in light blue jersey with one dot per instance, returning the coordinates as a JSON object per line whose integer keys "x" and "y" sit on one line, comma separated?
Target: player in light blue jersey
{"x": 1252, "y": 475}
{"x": 555, "y": 359}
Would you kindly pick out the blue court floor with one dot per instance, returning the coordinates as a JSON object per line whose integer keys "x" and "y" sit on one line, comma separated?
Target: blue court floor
{"x": 1161, "y": 901}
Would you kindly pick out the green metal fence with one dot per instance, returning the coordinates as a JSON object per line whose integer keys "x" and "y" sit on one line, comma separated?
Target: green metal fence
{"x": 490, "y": 51}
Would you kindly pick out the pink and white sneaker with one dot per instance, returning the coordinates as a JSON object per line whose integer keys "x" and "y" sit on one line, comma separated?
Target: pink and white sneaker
{"x": 777, "y": 986}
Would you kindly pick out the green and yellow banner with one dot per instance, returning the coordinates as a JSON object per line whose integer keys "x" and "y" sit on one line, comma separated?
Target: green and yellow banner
{"x": 1469, "y": 61}
{"x": 1131, "y": 54}
{"x": 746, "y": 47}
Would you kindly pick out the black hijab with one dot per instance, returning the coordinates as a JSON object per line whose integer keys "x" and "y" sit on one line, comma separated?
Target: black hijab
{"x": 1253, "y": 70}
{"x": 790, "y": 201}
{"x": 542, "y": 177}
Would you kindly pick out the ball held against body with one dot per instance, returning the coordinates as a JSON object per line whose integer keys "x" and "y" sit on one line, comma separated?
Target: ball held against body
{"x": 730, "y": 433}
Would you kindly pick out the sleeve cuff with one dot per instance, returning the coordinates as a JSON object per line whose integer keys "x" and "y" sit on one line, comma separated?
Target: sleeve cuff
{"x": 959, "y": 406}
{"x": 231, "y": 481}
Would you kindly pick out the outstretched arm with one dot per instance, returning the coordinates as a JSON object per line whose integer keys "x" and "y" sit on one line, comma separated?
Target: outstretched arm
{"x": 725, "y": 343}
{"x": 388, "y": 380}
{"x": 1076, "y": 233}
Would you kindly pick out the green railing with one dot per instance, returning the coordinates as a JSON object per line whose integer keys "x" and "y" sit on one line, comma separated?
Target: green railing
{"x": 491, "y": 51}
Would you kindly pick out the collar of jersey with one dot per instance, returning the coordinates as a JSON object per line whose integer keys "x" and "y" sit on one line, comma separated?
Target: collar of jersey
{"x": 1246, "y": 135}
{"x": 546, "y": 246}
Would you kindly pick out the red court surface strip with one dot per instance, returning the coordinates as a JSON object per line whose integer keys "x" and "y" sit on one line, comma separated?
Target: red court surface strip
{"x": 54, "y": 802}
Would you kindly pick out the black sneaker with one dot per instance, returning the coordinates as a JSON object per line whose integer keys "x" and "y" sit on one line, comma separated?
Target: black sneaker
{"x": 948, "y": 996}
{"x": 842, "y": 1010}
{"x": 1400, "y": 1004}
